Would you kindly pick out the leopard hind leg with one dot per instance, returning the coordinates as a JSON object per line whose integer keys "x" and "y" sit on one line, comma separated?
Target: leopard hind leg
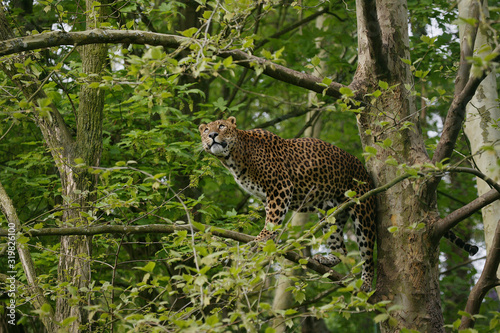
{"x": 364, "y": 227}
{"x": 335, "y": 241}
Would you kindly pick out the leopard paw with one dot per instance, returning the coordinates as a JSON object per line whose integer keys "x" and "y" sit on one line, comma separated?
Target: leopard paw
{"x": 329, "y": 260}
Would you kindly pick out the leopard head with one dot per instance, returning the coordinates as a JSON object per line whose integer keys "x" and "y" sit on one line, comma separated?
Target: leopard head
{"x": 218, "y": 137}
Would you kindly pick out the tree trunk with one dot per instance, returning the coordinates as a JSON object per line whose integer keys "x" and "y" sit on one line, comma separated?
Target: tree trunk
{"x": 407, "y": 271}
{"x": 78, "y": 183}
{"x": 482, "y": 112}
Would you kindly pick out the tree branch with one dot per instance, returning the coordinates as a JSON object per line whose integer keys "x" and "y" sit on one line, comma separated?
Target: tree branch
{"x": 164, "y": 228}
{"x": 452, "y": 219}
{"x": 487, "y": 281}
{"x": 456, "y": 115}
{"x": 294, "y": 26}
{"x": 99, "y": 36}
{"x": 38, "y": 299}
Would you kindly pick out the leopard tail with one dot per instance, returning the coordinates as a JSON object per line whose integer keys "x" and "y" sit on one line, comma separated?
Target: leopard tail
{"x": 472, "y": 249}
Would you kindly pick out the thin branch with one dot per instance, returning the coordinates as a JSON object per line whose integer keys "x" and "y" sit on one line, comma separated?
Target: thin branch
{"x": 478, "y": 174}
{"x": 487, "y": 280}
{"x": 99, "y": 36}
{"x": 462, "y": 264}
{"x": 296, "y": 113}
{"x": 293, "y": 27}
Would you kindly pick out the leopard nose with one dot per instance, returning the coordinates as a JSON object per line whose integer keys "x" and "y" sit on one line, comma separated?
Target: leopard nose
{"x": 213, "y": 135}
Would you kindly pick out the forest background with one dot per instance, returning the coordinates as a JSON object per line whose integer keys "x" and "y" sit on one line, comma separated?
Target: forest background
{"x": 122, "y": 223}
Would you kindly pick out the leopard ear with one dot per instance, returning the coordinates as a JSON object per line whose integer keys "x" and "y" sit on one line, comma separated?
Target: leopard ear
{"x": 202, "y": 127}
{"x": 232, "y": 120}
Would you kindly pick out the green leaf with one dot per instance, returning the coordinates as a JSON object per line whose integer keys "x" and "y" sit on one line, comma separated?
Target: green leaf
{"x": 327, "y": 81}
{"x": 270, "y": 247}
{"x": 406, "y": 61}
{"x": 156, "y": 53}
{"x": 212, "y": 320}
{"x": 393, "y": 229}
{"x": 346, "y": 92}
{"x": 199, "y": 226}
{"x": 315, "y": 61}
{"x": 384, "y": 85}
{"x": 68, "y": 321}
{"x": 189, "y": 32}
{"x": 380, "y": 318}
{"x": 207, "y": 14}
{"x": 428, "y": 40}
{"x": 228, "y": 61}
{"x": 350, "y": 194}
{"x": 46, "y": 308}
{"x": 391, "y": 161}
{"x": 23, "y": 239}
{"x": 387, "y": 143}
{"x": 148, "y": 268}
{"x": 371, "y": 150}
{"x": 300, "y": 297}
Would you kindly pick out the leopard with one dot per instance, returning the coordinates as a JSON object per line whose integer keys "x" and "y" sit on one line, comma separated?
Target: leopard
{"x": 304, "y": 175}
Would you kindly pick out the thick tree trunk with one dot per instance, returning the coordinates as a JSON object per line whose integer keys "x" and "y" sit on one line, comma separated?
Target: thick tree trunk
{"x": 482, "y": 112}
{"x": 407, "y": 271}
{"x": 78, "y": 183}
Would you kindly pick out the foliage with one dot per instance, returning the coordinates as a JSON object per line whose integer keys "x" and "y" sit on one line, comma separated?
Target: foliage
{"x": 152, "y": 169}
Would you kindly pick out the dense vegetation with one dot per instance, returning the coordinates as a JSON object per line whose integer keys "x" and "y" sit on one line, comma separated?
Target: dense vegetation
{"x": 152, "y": 169}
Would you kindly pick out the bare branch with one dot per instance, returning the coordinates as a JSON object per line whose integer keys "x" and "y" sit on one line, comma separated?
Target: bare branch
{"x": 478, "y": 174}
{"x": 452, "y": 219}
{"x": 99, "y": 36}
{"x": 294, "y": 26}
{"x": 456, "y": 115}
{"x": 487, "y": 281}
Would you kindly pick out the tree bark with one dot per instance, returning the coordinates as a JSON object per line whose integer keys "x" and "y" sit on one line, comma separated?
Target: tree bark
{"x": 78, "y": 183}
{"x": 407, "y": 270}
{"x": 481, "y": 113}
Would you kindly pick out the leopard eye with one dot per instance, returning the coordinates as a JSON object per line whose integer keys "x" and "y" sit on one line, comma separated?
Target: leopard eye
{"x": 206, "y": 130}
{"x": 222, "y": 126}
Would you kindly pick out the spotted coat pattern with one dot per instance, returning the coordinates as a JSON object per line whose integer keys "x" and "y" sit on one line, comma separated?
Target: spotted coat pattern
{"x": 297, "y": 174}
